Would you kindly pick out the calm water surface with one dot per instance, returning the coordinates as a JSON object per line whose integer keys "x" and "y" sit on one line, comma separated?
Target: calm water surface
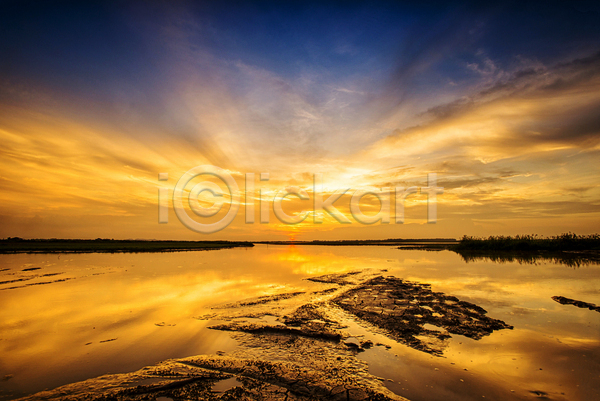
{"x": 70, "y": 317}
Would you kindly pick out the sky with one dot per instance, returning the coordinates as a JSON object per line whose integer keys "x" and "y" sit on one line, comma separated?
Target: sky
{"x": 98, "y": 98}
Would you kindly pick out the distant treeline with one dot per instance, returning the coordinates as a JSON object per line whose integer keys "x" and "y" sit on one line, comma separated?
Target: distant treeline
{"x": 19, "y": 245}
{"x": 530, "y": 243}
{"x": 351, "y": 242}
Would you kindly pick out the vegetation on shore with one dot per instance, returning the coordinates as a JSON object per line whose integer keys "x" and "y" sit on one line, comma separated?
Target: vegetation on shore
{"x": 530, "y": 243}
{"x": 570, "y": 249}
{"x": 19, "y": 245}
{"x": 467, "y": 247}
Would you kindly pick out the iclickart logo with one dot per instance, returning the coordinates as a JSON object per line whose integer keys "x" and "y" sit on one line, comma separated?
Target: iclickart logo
{"x": 319, "y": 207}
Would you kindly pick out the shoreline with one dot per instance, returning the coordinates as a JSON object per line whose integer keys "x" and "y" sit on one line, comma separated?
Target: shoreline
{"x": 13, "y": 246}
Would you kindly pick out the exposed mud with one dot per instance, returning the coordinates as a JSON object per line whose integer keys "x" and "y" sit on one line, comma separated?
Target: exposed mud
{"x": 28, "y": 277}
{"x": 409, "y": 313}
{"x": 341, "y": 279}
{"x": 259, "y": 300}
{"x": 38, "y": 283}
{"x": 163, "y": 324}
{"x": 18, "y": 280}
{"x": 195, "y": 378}
{"x": 306, "y": 321}
{"x": 403, "y": 308}
{"x": 579, "y": 304}
{"x": 317, "y": 332}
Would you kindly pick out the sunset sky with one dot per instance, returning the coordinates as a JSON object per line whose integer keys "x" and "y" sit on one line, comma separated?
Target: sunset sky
{"x": 501, "y": 102}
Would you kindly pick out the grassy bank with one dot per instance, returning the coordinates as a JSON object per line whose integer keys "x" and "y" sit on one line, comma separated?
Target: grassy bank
{"x": 570, "y": 249}
{"x": 18, "y": 245}
{"x": 530, "y": 243}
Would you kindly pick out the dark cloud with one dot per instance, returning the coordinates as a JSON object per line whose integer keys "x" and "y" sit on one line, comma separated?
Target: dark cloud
{"x": 528, "y": 81}
{"x": 575, "y": 121}
{"x": 580, "y": 126}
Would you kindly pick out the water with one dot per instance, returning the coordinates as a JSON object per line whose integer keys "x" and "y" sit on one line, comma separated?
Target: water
{"x": 70, "y": 317}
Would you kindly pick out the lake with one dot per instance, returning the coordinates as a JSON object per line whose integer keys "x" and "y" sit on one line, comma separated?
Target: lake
{"x": 70, "y": 317}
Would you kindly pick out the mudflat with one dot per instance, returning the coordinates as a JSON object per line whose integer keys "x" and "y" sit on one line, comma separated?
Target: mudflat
{"x": 295, "y": 346}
